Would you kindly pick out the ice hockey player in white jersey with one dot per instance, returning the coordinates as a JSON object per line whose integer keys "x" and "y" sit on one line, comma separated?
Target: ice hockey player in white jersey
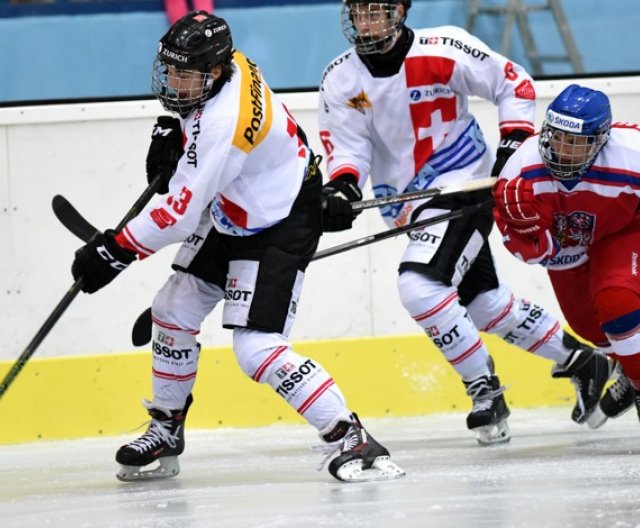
{"x": 245, "y": 203}
{"x": 394, "y": 110}
{"x": 569, "y": 200}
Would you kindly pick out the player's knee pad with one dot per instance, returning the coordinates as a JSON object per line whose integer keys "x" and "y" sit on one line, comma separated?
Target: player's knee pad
{"x": 517, "y": 321}
{"x": 618, "y": 310}
{"x": 268, "y": 358}
{"x": 258, "y": 353}
{"x": 495, "y": 310}
{"x": 184, "y": 301}
{"x": 428, "y": 301}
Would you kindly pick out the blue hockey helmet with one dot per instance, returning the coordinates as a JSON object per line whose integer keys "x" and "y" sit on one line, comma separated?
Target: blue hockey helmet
{"x": 577, "y": 125}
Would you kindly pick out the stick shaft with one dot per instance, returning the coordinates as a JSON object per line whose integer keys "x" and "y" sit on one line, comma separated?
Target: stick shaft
{"x": 71, "y": 294}
{"x": 468, "y": 186}
{"x": 365, "y": 241}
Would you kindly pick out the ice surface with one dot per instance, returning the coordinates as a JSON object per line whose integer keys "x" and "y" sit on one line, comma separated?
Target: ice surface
{"x": 553, "y": 474}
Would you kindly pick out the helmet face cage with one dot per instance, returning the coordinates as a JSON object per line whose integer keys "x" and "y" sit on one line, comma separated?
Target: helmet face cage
{"x": 576, "y": 128}
{"x": 180, "y": 90}
{"x": 371, "y": 27}
{"x": 569, "y": 156}
{"x": 182, "y": 76}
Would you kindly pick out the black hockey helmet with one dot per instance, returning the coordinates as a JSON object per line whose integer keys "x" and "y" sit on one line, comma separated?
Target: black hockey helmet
{"x": 381, "y": 31}
{"x": 194, "y": 45}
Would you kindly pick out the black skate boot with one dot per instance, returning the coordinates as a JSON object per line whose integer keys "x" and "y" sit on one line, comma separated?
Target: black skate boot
{"x": 488, "y": 417}
{"x": 617, "y": 400}
{"x": 636, "y": 400}
{"x": 163, "y": 441}
{"x": 589, "y": 370}
{"x": 361, "y": 457}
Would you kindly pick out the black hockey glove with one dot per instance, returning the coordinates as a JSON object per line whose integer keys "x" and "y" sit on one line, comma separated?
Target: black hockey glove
{"x": 337, "y": 195}
{"x": 508, "y": 145}
{"x": 165, "y": 151}
{"x": 100, "y": 261}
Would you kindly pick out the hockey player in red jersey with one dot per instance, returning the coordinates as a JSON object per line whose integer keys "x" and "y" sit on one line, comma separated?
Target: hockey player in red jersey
{"x": 569, "y": 200}
{"x": 394, "y": 110}
{"x": 245, "y": 203}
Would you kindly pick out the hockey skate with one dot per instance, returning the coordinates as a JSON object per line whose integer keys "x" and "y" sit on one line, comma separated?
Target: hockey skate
{"x": 163, "y": 441}
{"x": 488, "y": 417}
{"x": 617, "y": 400}
{"x": 589, "y": 370}
{"x": 361, "y": 458}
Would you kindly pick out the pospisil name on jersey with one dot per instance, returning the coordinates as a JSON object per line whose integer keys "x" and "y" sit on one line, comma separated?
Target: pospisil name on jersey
{"x": 562, "y": 122}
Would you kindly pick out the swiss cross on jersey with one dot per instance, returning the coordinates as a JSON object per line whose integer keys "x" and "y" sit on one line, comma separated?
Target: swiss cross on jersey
{"x": 432, "y": 102}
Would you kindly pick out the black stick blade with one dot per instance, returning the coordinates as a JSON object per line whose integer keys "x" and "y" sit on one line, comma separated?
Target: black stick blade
{"x": 71, "y": 219}
{"x": 141, "y": 331}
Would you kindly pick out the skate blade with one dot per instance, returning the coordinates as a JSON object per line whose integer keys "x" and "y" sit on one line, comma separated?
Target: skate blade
{"x": 493, "y": 434}
{"x": 168, "y": 467}
{"x": 597, "y": 419}
{"x": 381, "y": 469}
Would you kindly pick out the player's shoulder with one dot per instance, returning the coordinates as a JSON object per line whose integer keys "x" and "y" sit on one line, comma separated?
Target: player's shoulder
{"x": 525, "y": 160}
{"x": 528, "y": 152}
{"x": 625, "y": 135}
{"x": 340, "y": 66}
{"x": 623, "y": 148}
{"x": 218, "y": 118}
{"x": 450, "y": 41}
{"x": 442, "y": 31}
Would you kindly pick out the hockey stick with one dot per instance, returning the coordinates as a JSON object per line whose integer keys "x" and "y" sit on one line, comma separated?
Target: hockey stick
{"x": 141, "y": 331}
{"x": 71, "y": 294}
{"x": 72, "y": 219}
{"x": 467, "y": 186}
{"x": 79, "y": 226}
{"x": 365, "y": 241}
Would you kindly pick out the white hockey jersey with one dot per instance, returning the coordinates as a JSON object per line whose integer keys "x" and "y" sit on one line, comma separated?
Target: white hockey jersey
{"x": 243, "y": 160}
{"x": 413, "y": 130}
{"x": 584, "y": 211}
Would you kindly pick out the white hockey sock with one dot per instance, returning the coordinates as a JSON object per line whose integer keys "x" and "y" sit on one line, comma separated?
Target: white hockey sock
{"x": 301, "y": 381}
{"x": 437, "y": 309}
{"x": 174, "y": 366}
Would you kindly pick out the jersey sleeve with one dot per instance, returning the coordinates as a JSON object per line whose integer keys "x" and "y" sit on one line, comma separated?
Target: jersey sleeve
{"x": 343, "y": 131}
{"x": 205, "y": 168}
{"x": 487, "y": 74}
